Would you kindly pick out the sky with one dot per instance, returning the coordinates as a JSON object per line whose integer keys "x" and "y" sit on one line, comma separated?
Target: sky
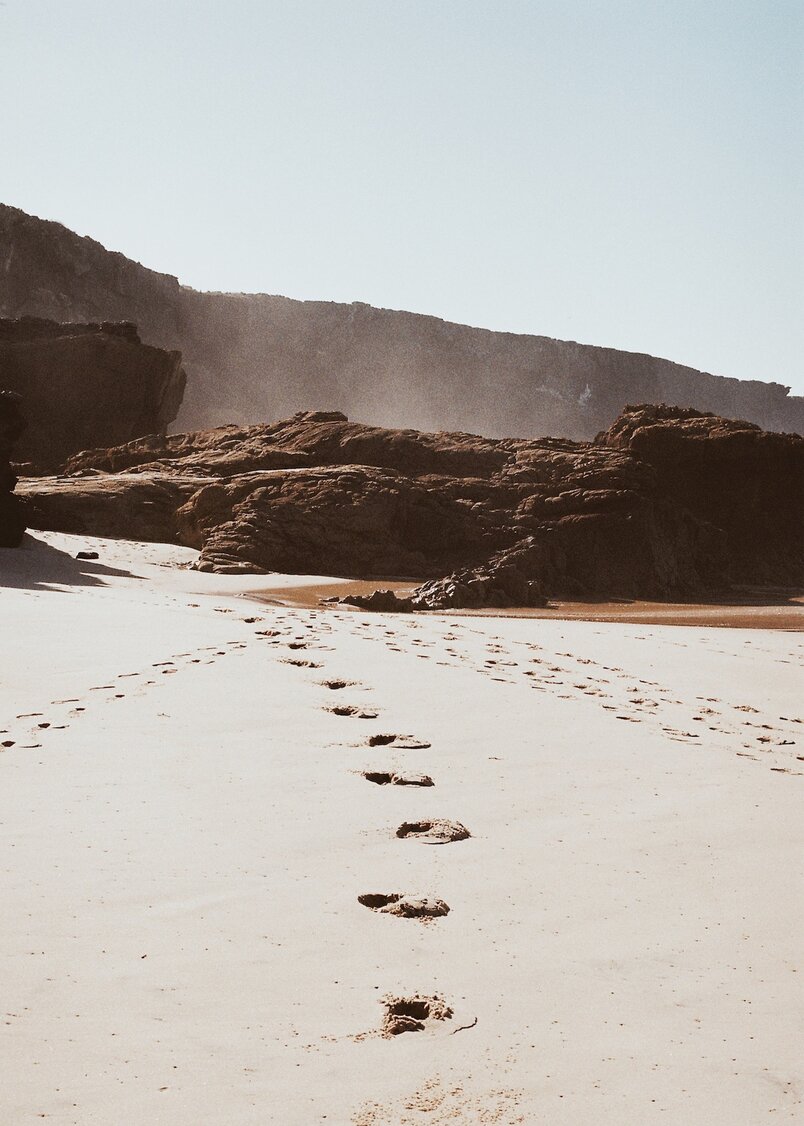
{"x": 620, "y": 172}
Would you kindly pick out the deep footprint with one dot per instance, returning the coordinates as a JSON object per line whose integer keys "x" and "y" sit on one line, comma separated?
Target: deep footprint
{"x": 349, "y": 710}
{"x": 385, "y": 778}
{"x": 412, "y": 1014}
{"x": 434, "y": 832}
{"x": 406, "y": 742}
{"x": 405, "y": 906}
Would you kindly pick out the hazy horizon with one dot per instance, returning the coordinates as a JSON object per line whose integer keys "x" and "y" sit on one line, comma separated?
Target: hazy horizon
{"x": 617, "y": 174}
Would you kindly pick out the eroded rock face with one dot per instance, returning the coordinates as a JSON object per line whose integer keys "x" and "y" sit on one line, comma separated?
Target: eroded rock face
{"x": 122, "y": 506}
{"x": 730, "y": 475}
{"x": 12, "y": 425}
{"x": 351, "y": 519}
{"x": 662, "y": 505}
{"x": 256, "y": 356}
{"x": 497, "y": 584}
{"x": 86, "y": 385}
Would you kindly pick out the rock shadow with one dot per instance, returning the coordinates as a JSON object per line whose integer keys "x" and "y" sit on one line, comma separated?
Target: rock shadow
{"x": 36, "y": 565}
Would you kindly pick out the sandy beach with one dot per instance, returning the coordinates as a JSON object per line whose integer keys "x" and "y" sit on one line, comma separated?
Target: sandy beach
{"x": 186, "y": 827}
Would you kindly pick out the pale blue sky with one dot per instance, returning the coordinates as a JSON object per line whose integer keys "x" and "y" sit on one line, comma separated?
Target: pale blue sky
{"x": 620, "y": 172}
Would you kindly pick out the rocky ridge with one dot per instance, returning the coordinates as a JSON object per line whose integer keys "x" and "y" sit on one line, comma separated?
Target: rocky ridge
{"x": 255, "y": 356}
{"x": 668, "y": 502}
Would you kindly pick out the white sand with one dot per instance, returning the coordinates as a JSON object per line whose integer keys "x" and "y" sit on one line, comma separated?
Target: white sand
{"x": 182, "y": 941}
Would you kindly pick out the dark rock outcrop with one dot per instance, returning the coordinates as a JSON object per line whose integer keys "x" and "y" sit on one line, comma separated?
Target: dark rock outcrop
{"x": 122, "y": 506}
{"x": 381, "y": 601}
{"x": 12, "y": 425}
{"x": 256, "y": 356}
{"x": 349, "y": 519}
{"x": 667, "y": 503}
{"x": 86, "y": 385}
{"x": 727, "y": 474}
{"x": 498, "y": 584}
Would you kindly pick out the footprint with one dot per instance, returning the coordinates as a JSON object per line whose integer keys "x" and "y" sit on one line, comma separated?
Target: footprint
{"x": 405, "y": 742}
{"x": 300, "y": 664}
{"x": 348, "y": 709}
{"x": 405, "y": 906}
{"x": 336, "y": 685}
{"x": 412, "y": 1014}
{"x": 386, "y": 778}
{"x": 434, "y": 832}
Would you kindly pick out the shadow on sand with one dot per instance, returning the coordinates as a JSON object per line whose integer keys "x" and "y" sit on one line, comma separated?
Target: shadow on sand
{"x": 35, "y": 565}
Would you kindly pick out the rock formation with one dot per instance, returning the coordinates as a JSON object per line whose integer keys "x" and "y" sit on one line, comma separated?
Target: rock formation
{"x": 668, "y": 502}
{"x": 728, "y": 475}
{"x": 250, "y": 357}
{"x": 86, "y": 385}
{"x": 12, "y": 425}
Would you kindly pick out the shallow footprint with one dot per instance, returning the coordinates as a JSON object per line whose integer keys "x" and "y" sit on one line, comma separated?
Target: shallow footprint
{"x": 405, "y": 906}
{"x": 437, "y": 831}
{"x": 412, "y": 1014}
{"x": 388, "y": 778}
{"x": 405, "y": 742}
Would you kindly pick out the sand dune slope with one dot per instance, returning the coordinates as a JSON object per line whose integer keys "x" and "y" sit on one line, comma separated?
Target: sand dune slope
{"x": 186, "y": 829}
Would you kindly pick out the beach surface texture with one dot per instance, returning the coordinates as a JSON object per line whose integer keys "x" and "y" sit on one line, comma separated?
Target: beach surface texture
{"x": 268, "y": 864}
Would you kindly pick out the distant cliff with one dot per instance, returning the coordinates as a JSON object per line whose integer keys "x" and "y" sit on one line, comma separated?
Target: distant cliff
{"x": 253, "y": 357}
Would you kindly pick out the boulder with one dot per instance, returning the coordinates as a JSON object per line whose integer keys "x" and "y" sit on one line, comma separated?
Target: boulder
{"x": 727, "y": 474}
{"x": 381, "y": 601}
{"x": 86, "y": 385}
{"x": 498, "y": 584}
